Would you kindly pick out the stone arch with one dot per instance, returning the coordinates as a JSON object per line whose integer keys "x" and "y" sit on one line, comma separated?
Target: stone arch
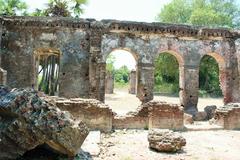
{"x": 136, "y": 58}
{"x": 134, "y": 54}
{"x": 174, "y": 53}
{"x": 180, "y": 60}
{"x": 222, "y": 72}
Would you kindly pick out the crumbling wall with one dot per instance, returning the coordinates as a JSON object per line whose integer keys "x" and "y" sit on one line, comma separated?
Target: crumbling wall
{"x": 95, "y": 114}
{"x": 32, "y": 34}
{"x": 133, "y": 120}
{"x": 85, "y": 44}
{"x": 228, "y": 116}
{"x": 165, "y": 116}
{"x": 153, "y": 114}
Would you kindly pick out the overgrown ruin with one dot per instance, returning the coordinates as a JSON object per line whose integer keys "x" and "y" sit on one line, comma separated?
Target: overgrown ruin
{"x": 83, "y": 45}
{"x": 66, "y": 59}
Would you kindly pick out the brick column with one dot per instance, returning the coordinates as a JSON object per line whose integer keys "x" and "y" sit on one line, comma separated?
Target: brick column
{"x": 3, "y": 76}
{"x": 189, "y": 84}
{"x": 145, "y": 82}
{"x": 132, "y": 82}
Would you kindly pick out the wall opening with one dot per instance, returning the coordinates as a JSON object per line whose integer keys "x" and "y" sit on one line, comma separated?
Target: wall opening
{"x": 210, "y": 91}
{"x": 166, "y": 78}
{"x": 47, "y": 69}
{"x": 121, "y": 81}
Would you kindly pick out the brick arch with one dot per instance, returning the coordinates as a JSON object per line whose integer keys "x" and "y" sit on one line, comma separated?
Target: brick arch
{"x": 134, "y": 54}
{"x": 219, "y": 59}
{"x": 173, "y": 53}
{"x": 223, "y": 74}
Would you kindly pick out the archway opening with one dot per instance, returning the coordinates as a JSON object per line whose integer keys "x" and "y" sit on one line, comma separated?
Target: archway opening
{"x": 121, "y": 81}
{"x": 166, "y": 78}
{"x": 210, "y": 91}
{"x": 47, "y": 69}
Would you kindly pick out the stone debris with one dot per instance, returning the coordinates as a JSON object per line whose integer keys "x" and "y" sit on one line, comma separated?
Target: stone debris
{"x": 164, "y": 140}
{"x": 200, "y": 116}
{"x": 188, "y": 118}
{"x": 210, "y": 110}
{"x": 228, "y": 116}
{"x": 27, "y": 121}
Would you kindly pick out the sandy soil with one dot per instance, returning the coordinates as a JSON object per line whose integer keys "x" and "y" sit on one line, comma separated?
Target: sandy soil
{"x": 201, "y": 145}
{"x": 121, "y": 102}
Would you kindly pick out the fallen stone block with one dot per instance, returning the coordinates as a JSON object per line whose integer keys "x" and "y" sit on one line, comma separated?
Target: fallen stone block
{"x": 200, "y": 116}
{"x": 164, "y": 140}
{"x": 228, "y": 116}
{"x": 27, "y": 121}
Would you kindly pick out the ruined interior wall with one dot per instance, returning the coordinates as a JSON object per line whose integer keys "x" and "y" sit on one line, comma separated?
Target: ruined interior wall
{"x": 228, "y": 116}
{"x": 153, "y": 114}
{"x": 21, "y": 41}
{"x": 165, "y": 116}
{"x": 95, "y": 114}
{"x": 133, "y": 120}
{"x": 85, "y": 44}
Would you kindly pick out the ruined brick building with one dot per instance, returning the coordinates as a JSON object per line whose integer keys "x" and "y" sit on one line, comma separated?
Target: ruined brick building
{"x": 83, "y": 45}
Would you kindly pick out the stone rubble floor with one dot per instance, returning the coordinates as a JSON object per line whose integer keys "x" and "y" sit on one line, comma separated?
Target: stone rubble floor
{"x": 133, "y": 145}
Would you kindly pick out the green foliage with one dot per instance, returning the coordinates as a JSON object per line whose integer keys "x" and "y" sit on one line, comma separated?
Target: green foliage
{"x": 121, "y": 75}
{"x": 209, "y": 77}
{"x": 62, "y": 8}
{"x": 110, "y": 61}
{"x": 13, "y": 7}
{"x": 166, "y": 74}
{"x": 213, "y": 13}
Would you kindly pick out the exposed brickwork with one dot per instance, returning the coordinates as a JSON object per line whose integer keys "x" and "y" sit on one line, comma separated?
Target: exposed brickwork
{"x": 228, "y": 116}
{"x": 153, "y": 114}
{"x": 95, "y": 114}
{"x": 84, "y": 45}
{"x": 165, "y": 116}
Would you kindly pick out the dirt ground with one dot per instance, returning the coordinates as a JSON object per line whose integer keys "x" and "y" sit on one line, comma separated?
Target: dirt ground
{"x": 121, "y": 102}
{"x": 201, "y": 145}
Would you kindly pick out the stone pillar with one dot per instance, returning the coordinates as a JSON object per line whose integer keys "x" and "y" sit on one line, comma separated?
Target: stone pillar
{"x": 189, "y": 84}
{"x": 96, "y": 69}
{"x": 109, "y": 83}
{"x": 3, "y": 76}
{"x": 132, "y": 82}
{"x": 145, "y": 82}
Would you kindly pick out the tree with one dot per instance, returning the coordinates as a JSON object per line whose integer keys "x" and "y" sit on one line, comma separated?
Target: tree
{"x": 212, "y": 13}
{"x": 13, "y": 7}
{"x": 62, "y": 8}
{"x": 121, "y": 75}
{"x": 110, "y": 63}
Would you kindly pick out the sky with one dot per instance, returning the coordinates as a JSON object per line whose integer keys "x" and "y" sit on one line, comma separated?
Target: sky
{"x": 130, "y": 10}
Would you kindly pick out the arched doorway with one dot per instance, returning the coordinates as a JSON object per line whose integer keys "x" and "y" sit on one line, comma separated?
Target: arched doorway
{"x": 121, "y": 81}
{"x": 210, "y": 91}
{"x": 47, "y": 70}
{"x": 167, "y": 73}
